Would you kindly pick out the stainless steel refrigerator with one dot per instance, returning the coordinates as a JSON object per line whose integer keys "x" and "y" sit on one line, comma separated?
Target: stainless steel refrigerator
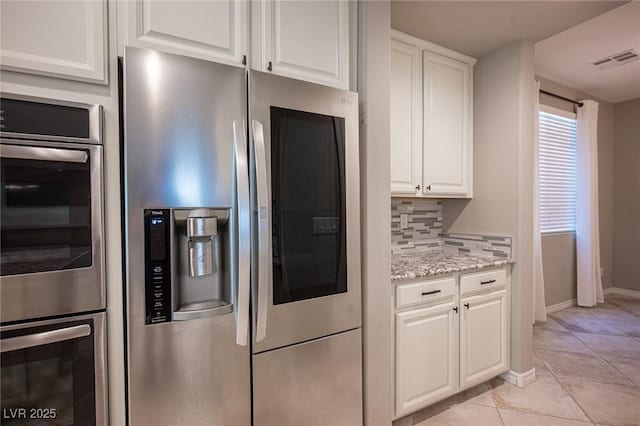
{"x": 242, "y": 246}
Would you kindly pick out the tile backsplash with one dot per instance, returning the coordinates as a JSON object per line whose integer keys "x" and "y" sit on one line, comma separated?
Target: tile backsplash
{"x": 424, "y": 224}
{"x": 480, "y": 245}
{"x": 424, "y": 231}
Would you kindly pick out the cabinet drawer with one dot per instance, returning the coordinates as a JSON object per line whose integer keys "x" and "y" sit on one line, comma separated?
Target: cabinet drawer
{"x": 425, "y": 292}
{"x": 483, "y": 281}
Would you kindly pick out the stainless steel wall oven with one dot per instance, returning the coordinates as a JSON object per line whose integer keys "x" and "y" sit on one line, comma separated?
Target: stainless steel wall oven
{"x": 53, "y": 372}
{"x": 51, "y": 225}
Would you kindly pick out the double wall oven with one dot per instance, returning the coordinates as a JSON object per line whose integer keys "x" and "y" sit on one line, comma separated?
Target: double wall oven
{"x": 52, "y": 286}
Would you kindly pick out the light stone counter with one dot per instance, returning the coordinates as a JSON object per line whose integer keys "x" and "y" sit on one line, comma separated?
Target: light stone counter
{"x": 419, "y": 264}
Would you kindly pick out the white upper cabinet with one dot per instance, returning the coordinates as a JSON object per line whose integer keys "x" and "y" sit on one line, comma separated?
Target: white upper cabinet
{"x": 306, "y": 40}
{"x": 64, "y": 39}
{"x": 211, "y": 30}
{"x": 447, "y": 135}
{"x": 406, "y": 118}
{"x": 431, "y": 142}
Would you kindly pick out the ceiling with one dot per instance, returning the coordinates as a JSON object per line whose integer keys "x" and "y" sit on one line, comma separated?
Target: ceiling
{"x": 478, "y": 27}
{"x": 567, "y": 57}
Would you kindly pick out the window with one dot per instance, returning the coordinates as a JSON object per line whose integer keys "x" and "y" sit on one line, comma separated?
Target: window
{"x": 557, "y": 170}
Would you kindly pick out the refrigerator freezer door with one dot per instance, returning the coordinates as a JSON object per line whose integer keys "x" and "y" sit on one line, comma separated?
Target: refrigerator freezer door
{"x": 317, "y": 383}
{"x": 179, "y": 116}
{"x": 306, "y": 263}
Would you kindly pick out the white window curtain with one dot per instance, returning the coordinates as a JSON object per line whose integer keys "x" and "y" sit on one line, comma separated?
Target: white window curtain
{"x": 539, "y": 305}
{"x": 587, "y": 216}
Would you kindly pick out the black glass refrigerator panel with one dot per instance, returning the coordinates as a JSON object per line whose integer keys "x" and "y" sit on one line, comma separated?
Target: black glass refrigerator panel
{"x": 46, "y": 216}
{"x": 308, "y": 205}
{"x": 50, "y": 384}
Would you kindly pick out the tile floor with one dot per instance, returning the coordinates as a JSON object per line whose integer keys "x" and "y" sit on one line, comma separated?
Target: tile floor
{"x": 587, "y": 364}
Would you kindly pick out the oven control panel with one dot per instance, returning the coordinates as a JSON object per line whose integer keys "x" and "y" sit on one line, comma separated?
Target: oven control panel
{"x": 157, "y": 265}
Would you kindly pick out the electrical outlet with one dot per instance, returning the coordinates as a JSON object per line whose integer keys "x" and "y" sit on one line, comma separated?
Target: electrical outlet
{"x": 404, "y": 221}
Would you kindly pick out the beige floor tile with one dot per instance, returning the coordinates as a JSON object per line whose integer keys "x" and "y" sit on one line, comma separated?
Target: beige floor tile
{"x": 590, "y": 324}
{"x": 581, "y": 366}
{"x": 611, "y": 347}
{"x": 549, "y": 324}
{"x": 515, "y": 418}
{"x": 545, "y": 397}
{"x": 464, "y": 415}
{"x": 607, "y": 403}
{"x": 557, "y": 340}
{"x": 571, "y": 314}
{"x": 477, "y": 395}
{"x": 630, "y": 367}
{"x": 611, "y": 313}
{"x": 480, "y": 394}
{"x": 627, "y": 303}
{"x": 629, "y": 327}
{"x": 541, "y": 369}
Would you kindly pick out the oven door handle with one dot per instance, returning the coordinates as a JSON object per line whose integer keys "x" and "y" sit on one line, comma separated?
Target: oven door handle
{"x": 43, "y": 154}
{"x": 44, "y": 338}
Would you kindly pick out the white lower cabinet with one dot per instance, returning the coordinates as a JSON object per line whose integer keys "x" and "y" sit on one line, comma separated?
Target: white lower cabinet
{"x": 426, "y": 356}
{"x": 484, "y": 337}
{"x": 448, "y": 345}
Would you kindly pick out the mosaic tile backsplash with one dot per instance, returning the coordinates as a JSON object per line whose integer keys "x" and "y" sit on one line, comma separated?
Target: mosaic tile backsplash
{"x": 424, "y": 232}
{"x": 480, "y": 245}
{"x": 424, "y": 220}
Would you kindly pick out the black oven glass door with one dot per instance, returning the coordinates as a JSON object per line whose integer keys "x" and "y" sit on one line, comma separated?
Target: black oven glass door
{"x": 308, "y": 205}
{"x": 46, "y": 209}
{"x": 48, "y": 375}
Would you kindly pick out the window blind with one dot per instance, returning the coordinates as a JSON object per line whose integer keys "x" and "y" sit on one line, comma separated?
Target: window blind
{"x": 557, "y": 172}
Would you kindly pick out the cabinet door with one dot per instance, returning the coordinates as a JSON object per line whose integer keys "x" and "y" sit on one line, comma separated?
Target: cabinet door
{"x": 211, "y": 30}
{"x": 447, "y": 145}
{"x": 484, "y": 337}
{"x": 406, "y": 118}
{"x": 426, "y": 356}
{"x": 66, "y": 39}
{"x": 306, "y": 40}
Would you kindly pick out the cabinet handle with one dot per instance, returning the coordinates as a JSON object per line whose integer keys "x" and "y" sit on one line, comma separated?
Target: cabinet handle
{"x": 455, "y": 309}
{"x": 417, "y": 187}
{"x": 487, "y": 282}
{"x": 244, "y": 59}
{"x": 270, "y": 66}
{"x": 431, "y": 292}
{"x": 428, "y": 187}
{"x": 466, "y": 305}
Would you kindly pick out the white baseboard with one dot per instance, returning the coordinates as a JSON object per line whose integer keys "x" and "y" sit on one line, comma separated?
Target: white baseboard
{"x": 562, "y": 305}
{"x": 519, "y": 379}
{"x": 622, "y": 292}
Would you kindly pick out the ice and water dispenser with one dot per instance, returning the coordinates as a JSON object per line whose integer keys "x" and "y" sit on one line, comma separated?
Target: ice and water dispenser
{"x": 187, "y": 264}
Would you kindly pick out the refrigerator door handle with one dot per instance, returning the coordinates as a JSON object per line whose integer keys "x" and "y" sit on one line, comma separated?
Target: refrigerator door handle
{"x": 264, "y": 249}
{"x": 244, "y": 232}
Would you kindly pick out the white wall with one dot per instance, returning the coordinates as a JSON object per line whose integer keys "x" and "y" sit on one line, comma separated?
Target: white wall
{"x": 503, "y": 176}
{"x": 107, "y": 96}
{"x": 373, "y": 87}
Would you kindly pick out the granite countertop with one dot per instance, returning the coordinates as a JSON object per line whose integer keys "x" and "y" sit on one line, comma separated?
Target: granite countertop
{"x": 419, "y": 264}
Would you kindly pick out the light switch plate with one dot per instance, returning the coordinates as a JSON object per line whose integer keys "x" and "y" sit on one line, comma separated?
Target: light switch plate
{"x": 404, "y": 221}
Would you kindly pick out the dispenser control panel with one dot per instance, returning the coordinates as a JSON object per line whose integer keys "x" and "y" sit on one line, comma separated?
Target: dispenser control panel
{"x": 157, "y": 265}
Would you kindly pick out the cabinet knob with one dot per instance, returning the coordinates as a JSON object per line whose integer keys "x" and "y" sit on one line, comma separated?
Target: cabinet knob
{"x": 270, "y": 66}
{"x": 455, "y": 309}
{"x": 466, "y": 305}
{"x": 428, "y": 187}
{"x": 417, "y": 187}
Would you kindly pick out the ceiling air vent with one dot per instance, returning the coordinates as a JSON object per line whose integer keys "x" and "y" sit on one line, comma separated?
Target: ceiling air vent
{"x": 617, "y": 59}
